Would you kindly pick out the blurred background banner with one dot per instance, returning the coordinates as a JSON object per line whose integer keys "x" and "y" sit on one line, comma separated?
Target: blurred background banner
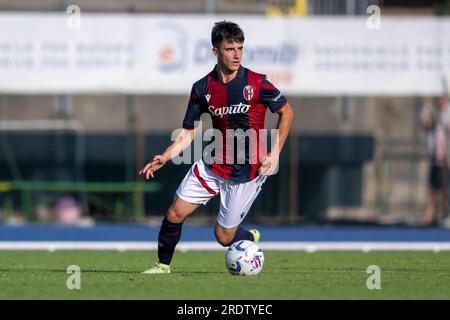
{"x": 92, "y": 90}
{"x": 157, "y": 54}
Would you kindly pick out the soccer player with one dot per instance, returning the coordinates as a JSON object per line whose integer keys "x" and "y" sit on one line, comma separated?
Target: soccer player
{"x": 236, "y": 98}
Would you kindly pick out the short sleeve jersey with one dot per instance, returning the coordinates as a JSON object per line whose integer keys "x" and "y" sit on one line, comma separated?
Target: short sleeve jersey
{"x": 239, "y": 104}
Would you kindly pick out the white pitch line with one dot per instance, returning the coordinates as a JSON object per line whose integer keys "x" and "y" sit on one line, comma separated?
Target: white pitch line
{"x": 213, "y": 246}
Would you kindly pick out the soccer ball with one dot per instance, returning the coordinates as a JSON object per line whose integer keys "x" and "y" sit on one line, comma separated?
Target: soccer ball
{"x": 244, "y": 258}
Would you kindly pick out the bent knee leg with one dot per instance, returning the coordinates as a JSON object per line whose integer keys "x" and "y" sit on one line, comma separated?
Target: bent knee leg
{"x": 223, "y": 238}
{"x": 174, "y": 215}
{"x": 179, "y": 210}
{"x": 224, "y": 241}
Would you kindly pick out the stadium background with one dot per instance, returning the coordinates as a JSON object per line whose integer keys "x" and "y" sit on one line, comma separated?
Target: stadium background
{"x": 72, "y": 157}
{"x": 90, "y": 90}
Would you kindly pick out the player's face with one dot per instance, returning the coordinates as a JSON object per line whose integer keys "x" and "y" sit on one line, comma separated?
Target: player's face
{"x": 229, "y": 55}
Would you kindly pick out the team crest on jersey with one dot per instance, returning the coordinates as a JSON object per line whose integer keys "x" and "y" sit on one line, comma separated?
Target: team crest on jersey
{"x": 248, "y": 92}
{"x": 207, "y": 96}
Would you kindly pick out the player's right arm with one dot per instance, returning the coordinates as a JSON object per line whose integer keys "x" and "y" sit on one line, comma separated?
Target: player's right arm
{"x": 181, "y": 142}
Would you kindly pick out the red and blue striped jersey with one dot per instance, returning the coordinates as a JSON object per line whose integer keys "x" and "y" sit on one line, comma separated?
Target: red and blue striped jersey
{"x": 239, "y": 104}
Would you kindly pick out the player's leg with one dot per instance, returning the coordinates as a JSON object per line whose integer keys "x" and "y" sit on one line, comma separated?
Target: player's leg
{"x": 227, "y": 236}
{"x": 236, "y": 200}
{"x": 170, "y": 232}
{"x": 196, "y": 189}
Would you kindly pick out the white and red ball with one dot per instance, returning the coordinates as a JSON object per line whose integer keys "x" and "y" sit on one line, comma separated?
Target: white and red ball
{"x": 244, "y": 258}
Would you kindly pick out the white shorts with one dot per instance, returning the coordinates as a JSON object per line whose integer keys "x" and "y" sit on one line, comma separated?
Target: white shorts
{"x": 200, "y": 185}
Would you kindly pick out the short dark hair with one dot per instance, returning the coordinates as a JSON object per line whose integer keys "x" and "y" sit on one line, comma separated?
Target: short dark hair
{"x": 228, "y": 31}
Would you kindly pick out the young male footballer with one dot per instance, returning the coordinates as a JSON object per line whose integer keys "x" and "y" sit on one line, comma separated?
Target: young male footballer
{"x": 235, "y": 98}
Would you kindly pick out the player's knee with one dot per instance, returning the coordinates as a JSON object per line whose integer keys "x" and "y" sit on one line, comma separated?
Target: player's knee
{"x": 222, "y": 238}
{"x": 224, "y": 242}
{"x": 174, "y": 216}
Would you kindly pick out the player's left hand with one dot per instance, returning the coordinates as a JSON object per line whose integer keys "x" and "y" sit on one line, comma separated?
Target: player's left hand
{"x": 269, "y": 164}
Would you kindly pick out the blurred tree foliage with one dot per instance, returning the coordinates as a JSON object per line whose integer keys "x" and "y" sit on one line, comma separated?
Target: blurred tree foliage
{"x": 442, "y": 8}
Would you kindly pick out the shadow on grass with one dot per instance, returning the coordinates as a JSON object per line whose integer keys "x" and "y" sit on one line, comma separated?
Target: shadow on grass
{"x": 64, "y": 270}
{"x": 135, "y": 271}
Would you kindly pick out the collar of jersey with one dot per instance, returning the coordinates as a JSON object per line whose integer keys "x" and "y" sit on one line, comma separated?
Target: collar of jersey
{"x": 215, "y": 75}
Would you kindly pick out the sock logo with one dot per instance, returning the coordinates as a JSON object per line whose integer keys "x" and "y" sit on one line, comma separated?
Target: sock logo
{"x": 242, "y": 215}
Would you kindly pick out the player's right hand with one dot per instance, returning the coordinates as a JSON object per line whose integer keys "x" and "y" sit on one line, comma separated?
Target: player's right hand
{"x": 150, "y": 168}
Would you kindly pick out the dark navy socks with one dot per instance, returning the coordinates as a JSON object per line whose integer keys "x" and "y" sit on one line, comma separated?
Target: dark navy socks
{"x": 169, "y": 235}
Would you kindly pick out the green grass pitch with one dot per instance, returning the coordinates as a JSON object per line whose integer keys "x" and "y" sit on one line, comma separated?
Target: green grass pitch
{"x": 202, "y": 275}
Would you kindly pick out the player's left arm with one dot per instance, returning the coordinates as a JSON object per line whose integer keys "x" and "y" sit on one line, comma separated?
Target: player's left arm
{"x": 269, "y": 164}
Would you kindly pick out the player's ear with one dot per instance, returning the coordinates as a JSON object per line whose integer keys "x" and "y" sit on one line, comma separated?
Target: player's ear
{"x": 215, "y": 51}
